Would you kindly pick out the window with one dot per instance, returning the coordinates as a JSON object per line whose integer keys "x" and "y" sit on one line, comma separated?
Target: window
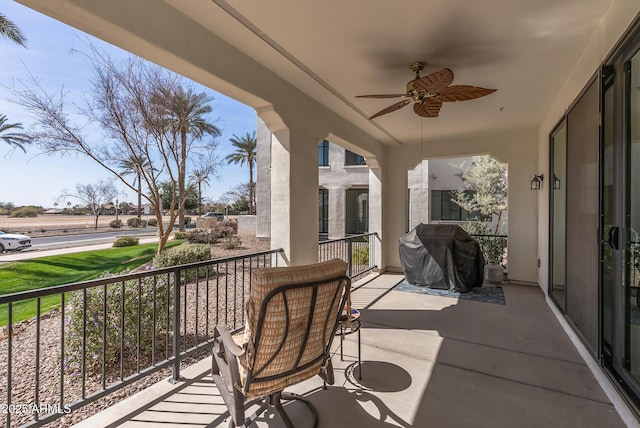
{"x": 357, "y": 220}
{"x": 323, "y": 211}
{"x": 351, "y": 158}
{"x": 443, "y": 207}
{"x": 323, "y": 153}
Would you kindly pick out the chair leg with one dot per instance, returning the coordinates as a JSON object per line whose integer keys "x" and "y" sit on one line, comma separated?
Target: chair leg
{"x": 277, "y": 404}
{"x": 253, "y": 417}
{"x": 275, "y": 401}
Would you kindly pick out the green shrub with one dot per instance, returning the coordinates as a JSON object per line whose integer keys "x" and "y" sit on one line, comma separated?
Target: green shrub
{"x": 126, "y": 241}
{"x": 25, "y": 212}
{"x": 152, "y": 293}
{"x": 492, "y": 247}
{"x": 360, "y": 256}
{"x": 136, "y": 222}
{"x": 115, "y": 224}
{"x": 476, "y": 228}
{"x": 153, "y": 221}
{"x": 178, "y": 236}
{"x": 182, "y": 255}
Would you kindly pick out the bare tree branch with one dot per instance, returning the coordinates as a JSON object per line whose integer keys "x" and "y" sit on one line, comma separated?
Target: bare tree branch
{"x": 93, "y": 195}
{"x": 147, "y": 115}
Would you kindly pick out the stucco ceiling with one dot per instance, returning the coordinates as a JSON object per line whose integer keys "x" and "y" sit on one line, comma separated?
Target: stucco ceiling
{"x": 334, "y": 50}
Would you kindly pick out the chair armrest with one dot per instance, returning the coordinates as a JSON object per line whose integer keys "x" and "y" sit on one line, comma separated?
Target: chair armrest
{"x": 226, "y": 374}
{"x": 229, "y": 344}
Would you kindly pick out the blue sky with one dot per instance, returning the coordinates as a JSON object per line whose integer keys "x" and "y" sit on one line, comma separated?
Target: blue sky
{"x": 33, "y": 179}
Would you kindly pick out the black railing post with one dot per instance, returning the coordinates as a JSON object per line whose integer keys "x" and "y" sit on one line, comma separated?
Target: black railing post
{"x": 372, "y": 249}
{"x": 176, "y": 326}
{"x": 349, "y": 256}
{"x": 9, "y": 358}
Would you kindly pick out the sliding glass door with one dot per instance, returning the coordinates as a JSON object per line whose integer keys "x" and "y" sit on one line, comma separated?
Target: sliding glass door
{"x": 631, "y": 245}
{"x": 620, "y": 221}
{"x": 594, "y": 199}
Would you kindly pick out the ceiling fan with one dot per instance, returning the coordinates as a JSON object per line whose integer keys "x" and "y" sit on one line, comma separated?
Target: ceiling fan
{"x": 429, "y": 92}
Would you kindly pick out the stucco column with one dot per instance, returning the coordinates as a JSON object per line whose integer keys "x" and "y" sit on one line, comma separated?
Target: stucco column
{"x": 337, "y": 213}
{"x": 419, "y": 201}
{"x": 395, "y": 204}
{"x": 294, "y": 196}
{"x": 376, "y": 210}
{"x": 263, "y": 181}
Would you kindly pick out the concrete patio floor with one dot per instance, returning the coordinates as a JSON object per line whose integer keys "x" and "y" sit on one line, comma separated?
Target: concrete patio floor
{"x": 428, "y": 361}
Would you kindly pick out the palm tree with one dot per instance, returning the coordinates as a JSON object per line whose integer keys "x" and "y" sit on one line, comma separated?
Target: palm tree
{"x": 246, "y": 152}
{"x": 134, "y": 165}
{"x": 17, "y": 139}
{"x": 200, "y": 176}
{"x": 187, "y": 112}
{"x": 11, "y": 31}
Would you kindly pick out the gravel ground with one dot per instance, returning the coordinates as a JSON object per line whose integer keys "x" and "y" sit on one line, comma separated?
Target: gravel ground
{"x": 25, "y": 347}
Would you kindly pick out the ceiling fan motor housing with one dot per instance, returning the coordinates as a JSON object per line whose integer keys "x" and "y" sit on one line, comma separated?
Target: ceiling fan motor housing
{"x": 417, "y": 95}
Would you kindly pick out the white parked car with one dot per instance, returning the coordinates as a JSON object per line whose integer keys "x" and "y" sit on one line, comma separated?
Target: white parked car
{"x": 218, "y": 216}
{"x": 13, "y": 242}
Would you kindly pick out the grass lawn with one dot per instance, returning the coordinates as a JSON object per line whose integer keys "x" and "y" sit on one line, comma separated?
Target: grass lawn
{"x": 65, "y": 269}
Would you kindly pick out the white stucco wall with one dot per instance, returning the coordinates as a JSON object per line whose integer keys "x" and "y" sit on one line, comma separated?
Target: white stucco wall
{"x": 247, "y": 224}
{"x": 337, "y": 178}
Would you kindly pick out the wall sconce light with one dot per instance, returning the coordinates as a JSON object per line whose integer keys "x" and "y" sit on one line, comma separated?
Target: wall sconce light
{"x": 556, "y": 182}
{"x": 536, "y": 183}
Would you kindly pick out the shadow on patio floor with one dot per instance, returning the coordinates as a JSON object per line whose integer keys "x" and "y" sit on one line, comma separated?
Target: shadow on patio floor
{"x": 428, "y": 361}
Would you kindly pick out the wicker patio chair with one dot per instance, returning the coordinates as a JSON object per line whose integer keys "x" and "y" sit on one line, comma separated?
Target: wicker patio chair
{"x": 291, "y": 318}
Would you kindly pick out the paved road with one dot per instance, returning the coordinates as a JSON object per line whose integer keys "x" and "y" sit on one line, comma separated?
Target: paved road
{"x": 48, "y": 245}
{"x": 63, "y": 241}
{"x": 79, "y": 246}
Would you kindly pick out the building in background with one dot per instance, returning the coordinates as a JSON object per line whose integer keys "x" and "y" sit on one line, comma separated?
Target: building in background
{"x": 343, "y": 194}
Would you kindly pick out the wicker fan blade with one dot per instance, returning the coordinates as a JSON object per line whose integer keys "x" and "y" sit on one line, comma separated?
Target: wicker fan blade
{"x": 382, "y": 96}
{"x": 428, "y": 108}
{"x": 434, "y": 83}
{"x": 462, "y": 93}
{"x": 393, "y": 107}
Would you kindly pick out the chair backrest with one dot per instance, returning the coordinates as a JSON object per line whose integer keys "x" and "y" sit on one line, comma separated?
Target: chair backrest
{"x": 292, "y": 316}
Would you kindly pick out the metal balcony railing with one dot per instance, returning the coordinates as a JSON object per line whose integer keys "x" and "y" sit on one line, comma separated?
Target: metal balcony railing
{"x": 357, "y": 250}
{"x": 107, "y": 333}
{"x": 110, "y": 332}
